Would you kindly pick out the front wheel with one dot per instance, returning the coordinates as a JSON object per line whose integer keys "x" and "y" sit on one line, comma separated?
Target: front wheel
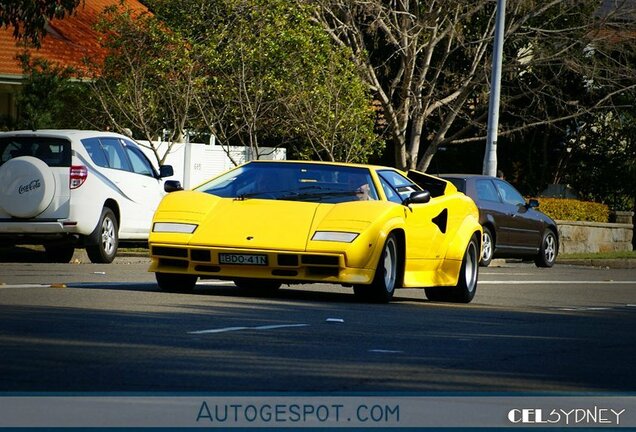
{"x": 107, "y": 236}
{"x": 386, "y": 275}
{"x": 548, "y": 250}
{"x": 172, "y": 282}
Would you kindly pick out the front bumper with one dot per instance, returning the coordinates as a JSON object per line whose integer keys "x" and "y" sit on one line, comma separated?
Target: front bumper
{"x": 284, "y": 266}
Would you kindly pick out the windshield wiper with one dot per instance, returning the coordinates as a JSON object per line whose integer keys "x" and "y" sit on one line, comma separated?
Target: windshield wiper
{"x": 309, "y": 195}
{"x": 244, "y": 196}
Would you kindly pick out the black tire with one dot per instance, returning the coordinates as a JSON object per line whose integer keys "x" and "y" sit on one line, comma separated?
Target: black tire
{"x": 382, "y": 288}
{"x": 173, "y": 282}
{"x": 466, "y": 286}
{"x": 59, "y": 253}
{"x": 105, "y": 239}
{"x": 548, "y": 250}
{"x": 487, "y": 248}
{"x": 258, "y": 286}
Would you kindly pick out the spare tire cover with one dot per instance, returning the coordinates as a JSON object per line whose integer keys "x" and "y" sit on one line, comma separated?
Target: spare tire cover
{"x": 28, "y": 187}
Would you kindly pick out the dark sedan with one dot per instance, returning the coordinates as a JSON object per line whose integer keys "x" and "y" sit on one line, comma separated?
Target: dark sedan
{"x": 513, "y": 228}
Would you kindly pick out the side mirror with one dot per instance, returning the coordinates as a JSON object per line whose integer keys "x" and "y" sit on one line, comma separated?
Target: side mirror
{"x": 533, "y": 203}
{"x": 172, "y": 185}
{"x": 165, "y": 171}
{"x": 418, "y": 197}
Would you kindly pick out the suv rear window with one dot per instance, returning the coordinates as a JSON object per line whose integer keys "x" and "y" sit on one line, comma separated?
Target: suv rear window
{"x": 55, "y": 152}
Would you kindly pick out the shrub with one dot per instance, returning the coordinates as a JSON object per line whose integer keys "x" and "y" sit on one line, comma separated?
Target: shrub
{"x": 574, "y": 210}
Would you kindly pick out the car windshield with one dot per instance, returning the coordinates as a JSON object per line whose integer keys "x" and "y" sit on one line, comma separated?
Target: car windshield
{"x": 294, "y": 182}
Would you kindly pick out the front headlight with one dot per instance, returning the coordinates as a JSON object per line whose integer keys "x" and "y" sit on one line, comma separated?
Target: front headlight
{"x": 174, "y": 227}
{"x": 335, "y": 236}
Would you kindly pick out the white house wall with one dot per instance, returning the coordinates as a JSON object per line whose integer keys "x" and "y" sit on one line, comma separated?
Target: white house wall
{"x": 207, "y": 160}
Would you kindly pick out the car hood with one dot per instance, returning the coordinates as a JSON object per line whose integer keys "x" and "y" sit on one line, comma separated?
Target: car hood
{"x": 261, "y": 224}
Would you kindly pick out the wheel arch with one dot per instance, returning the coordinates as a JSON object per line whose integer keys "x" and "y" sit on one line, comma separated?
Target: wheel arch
{"x": 491, "y": 227}
{"x": 400, "y": 236}
{"x": 93, "y": 238}
{"x": 112, "y": 204}
{"x": 555, "y": 231}
{"x": 457, "y": 246}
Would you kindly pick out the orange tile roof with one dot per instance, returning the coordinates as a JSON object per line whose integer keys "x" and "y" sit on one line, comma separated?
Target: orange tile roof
{"x": 68, "y": 41}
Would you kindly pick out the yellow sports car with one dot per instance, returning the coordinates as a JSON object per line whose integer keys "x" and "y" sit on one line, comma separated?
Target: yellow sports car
{"x": 266, "y": 223}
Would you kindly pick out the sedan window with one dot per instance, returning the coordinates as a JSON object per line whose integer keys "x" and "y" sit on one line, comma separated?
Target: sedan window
{"x": 486, "y": 191}
{"x": 509, "y": 194}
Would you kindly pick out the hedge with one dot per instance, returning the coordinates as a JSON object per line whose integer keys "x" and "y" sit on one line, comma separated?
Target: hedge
{"x": 574, "y": 210}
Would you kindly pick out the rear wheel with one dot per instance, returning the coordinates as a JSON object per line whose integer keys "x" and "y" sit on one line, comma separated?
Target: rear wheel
{"x": 172, "y": 282}
{"x": 487, "y": 248}
{"x": 466, "y": 286}
{"x": 107, "y": 236}
{"x": 59, "y": 253}
{"x": 386, "y": 275}
{"x": 548, "y": 250}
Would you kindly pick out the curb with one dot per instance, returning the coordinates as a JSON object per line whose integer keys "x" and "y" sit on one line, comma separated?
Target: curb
{"x": 619, "y": 263}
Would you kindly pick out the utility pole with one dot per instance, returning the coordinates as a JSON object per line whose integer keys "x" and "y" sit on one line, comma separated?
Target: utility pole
{"x": 490, "y": 156}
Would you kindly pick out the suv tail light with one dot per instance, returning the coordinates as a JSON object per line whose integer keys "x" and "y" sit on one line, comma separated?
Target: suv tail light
{"x": 78, "y": 176}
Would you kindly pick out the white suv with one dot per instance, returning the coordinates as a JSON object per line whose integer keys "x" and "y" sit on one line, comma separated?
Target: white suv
{"x": 70, "y": 188}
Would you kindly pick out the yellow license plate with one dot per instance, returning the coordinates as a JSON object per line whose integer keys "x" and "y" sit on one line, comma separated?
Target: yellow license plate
{"x": 243, "y": 259}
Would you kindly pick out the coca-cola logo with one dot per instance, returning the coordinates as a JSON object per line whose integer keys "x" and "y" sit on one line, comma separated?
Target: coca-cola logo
{"x": 34, "y": 184}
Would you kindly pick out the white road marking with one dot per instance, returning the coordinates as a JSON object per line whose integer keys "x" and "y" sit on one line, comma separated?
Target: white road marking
{"x": 2, "y": 286}
{"x": 231, "y": 329}
{"x": 557, "y": 282}
{"x": 384, "y": 351}
{"x": 213, "y": 282}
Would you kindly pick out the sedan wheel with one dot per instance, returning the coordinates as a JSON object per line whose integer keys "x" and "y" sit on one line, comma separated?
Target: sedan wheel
{"x": 487, "y": 248}
{"x": 547, "y": 251}
{"x": 386, "y": 274}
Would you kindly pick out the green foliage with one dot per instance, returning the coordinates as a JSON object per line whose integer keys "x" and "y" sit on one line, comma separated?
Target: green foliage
{"x": 603, "y": 160}
{"x": 574, "y": 210}
{"x": 29, "y": 17}
{"x": 271, "y": 77}
{"x": 148, "y": 78}
{"x": 50, "y": 97}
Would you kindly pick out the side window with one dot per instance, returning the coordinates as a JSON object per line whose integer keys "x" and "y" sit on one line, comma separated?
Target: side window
{"x": 115, "y": 154}
{"x": 95, "y": 151}
{"x": 509, "y": 194}
{"x": 140, "y": 164}
{"x": 486, "y": 191}
{"x": 400, "y": 184}
{"x": 390, "y": 193}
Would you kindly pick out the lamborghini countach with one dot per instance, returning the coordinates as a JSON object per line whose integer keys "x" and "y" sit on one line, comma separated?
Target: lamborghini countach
{"x": 268, "y": 223}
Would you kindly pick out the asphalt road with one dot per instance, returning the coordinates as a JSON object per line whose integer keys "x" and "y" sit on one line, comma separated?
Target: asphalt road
{"x": 84, "y": 327}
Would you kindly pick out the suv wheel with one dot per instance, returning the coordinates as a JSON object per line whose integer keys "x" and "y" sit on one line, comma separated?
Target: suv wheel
{"x": 106, "y": 237}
